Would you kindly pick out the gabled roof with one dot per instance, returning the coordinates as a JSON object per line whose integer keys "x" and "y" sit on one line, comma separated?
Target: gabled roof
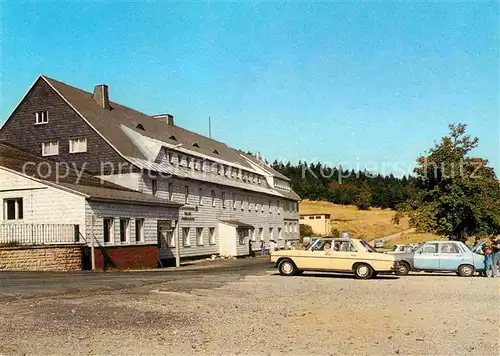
{"x": 108, "y": 123}
{"x": 66, "y": 177}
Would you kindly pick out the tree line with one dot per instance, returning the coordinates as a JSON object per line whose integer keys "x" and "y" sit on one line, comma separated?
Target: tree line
{"x": 316, "y": 181}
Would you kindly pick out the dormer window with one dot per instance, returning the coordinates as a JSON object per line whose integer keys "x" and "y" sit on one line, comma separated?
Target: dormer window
{"x": 196, "y": 145}
{"x": 172, "y": 138}
{"x": 41, "y": 117}
{"x": 215, "y": 151}
{"x": 140, "y": 127}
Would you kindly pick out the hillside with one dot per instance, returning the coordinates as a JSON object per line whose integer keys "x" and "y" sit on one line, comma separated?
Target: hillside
{"x": 368, "y": 224}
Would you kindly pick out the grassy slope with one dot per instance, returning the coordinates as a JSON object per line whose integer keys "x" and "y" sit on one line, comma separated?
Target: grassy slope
{"x": 412, "y": 238}
{"x": 369, "y": 224}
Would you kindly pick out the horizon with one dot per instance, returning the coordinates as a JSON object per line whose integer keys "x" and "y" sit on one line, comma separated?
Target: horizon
{"x": 244, "y": 63}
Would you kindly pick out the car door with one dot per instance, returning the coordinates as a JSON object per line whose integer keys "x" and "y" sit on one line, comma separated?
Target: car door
{"x": 451, "y": 256}
{"x": 315, "y": 258}
{"x": 342, "y": 255}
{"x": 427, "y": 257}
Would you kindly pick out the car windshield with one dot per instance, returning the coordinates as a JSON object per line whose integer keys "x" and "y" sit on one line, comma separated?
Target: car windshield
{"x": 367, "y": 246}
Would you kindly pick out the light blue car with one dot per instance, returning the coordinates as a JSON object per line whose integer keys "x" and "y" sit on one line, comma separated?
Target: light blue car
{"x": 449, "y": 256}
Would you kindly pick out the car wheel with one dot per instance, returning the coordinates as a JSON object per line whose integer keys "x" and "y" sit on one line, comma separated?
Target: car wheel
{"x": 287, "y": 268}
{"x": 363, "y": 271}
{"x": 403, "y": 269}
{"x": 466, "y": 270}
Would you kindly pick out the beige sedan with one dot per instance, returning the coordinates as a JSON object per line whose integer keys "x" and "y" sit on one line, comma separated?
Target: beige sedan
{"x": 328, "y": 254}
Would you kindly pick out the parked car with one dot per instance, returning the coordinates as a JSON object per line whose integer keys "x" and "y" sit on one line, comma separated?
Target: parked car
{"x": 379, "y": 244}
{"x": 330, "y": 254}
{"x": 449, "y": 256}
{"x": 401, "y": 249}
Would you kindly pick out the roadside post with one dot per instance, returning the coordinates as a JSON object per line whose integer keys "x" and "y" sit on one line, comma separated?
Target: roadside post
{"x": 92, "y": 252}
{"x": 177, "y": 246}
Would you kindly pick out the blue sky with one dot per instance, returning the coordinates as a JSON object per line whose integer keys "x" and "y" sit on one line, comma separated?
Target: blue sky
{"x": 368, "y": 85}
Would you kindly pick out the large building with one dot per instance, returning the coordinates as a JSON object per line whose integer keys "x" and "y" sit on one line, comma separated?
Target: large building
{"x": 320, "y": 223}
{"x": 228, "y": 197}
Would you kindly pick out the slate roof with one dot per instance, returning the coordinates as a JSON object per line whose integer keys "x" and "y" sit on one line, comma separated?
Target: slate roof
{"x": 62, "y": 175}
{"x": 108, "y": 124}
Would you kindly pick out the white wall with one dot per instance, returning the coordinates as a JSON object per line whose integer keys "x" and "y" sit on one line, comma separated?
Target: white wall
{"x": 150, "y": 214}
{"x": 42, "y": 204}
{"x": 206, "y": 216}
{"x": 227, "y": 237}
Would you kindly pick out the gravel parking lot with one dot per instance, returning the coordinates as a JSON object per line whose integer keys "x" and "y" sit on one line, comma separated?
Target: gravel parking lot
{"x": 253, "y": 311}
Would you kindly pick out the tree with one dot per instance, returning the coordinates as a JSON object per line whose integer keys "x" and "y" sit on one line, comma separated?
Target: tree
{"x": 305, "y": 230}
{"x": 459, "y": 195}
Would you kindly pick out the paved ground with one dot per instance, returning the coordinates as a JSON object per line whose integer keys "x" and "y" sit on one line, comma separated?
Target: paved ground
{"x": 16, "y": 285}
{"x": 243, "y": 308}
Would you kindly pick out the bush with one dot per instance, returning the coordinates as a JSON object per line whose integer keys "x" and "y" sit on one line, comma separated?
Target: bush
{"x": 10, "y": 244}
{"x": 305, "y": 230}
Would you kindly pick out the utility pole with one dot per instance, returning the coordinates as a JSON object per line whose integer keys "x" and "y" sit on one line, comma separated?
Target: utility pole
{"x": 209, "y": 127}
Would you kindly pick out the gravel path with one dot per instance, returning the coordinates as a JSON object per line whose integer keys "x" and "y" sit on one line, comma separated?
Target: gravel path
{"x": 264, "y": 314}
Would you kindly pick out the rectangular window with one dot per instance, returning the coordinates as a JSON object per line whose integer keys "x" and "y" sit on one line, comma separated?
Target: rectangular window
{"x": 295, "y": 227}
{"x": 270, "y": 210}
{"x": 107, "y": 229}
{"x": 185, "y": 236}
{"x": 199, "y": 235}
{"x": 211, "y": 234}
{"x": 261, "y": 234}
{"x": 188, "y": 162}
{"x": 249, "y": 203}
{"x": 41, "y": 117}
{"x": 280, "y": 235}
{"x": 124, "y": 230}
{"x": 200, "y": 196}
{"x": 254, "y": 234}
{"x": 50, "y": 148}
{"x": 234, "y": 200}
{"x": 154, "y": 186}
{"x": 13, "y": 209}
{"x": 271, "y": 233}
{"x": 186, "y": 194}
{"x": 262, "y": 206}
{"x": 172, "y": 158}
{"x": 243, "y": 198}
{"x": 170, "y": 191}
{"x": 77, "y": 145}
{"x": 213, "y": 197}
{"x": 278, "y": 206}
{"x": 286, "y": 227}
{"x": 139, "y": 230}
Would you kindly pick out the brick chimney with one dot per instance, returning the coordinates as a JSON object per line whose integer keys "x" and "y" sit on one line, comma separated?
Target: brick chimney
{"x": 167, "y": 118}
{"x": 101, "y": 96}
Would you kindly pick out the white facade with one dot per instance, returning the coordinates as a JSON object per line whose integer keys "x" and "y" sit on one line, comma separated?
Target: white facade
{"x": 46, "y": 207}
{"x": 272, "y": 217}
{"x": 41, "y": 203}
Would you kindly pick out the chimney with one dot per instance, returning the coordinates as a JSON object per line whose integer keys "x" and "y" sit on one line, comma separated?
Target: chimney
{"x": 167, "y": 118}
{"x": 101, "y": 96}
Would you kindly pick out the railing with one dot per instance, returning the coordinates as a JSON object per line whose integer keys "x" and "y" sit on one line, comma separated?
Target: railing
{"x": 39, "y": 234}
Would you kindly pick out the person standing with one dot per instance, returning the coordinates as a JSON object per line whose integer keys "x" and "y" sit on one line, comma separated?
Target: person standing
{"x": 272, "y": 246}
{"x": 488, "y": 259}
{"x": 495, "y": 253}
{"x": 250, "y": 249}
{"x": 262, "y": 248}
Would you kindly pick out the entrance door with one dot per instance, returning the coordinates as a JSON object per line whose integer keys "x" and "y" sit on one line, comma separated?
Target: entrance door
{"x": 427, "y": 257}
{"x": 166, "y": 242}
